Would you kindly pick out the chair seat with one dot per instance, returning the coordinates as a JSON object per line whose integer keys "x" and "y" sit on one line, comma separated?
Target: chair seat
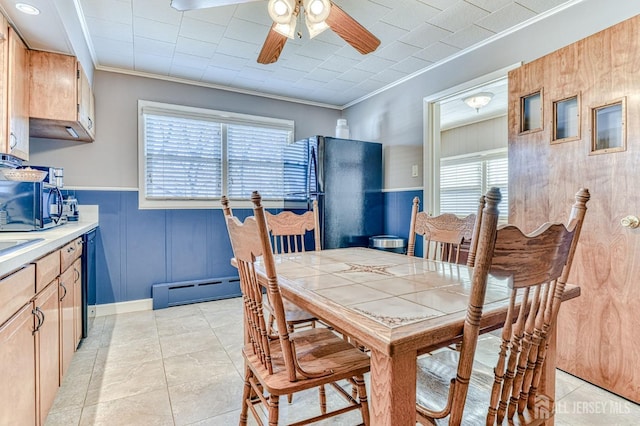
{"x": 295, "y": 314}
{"x": 318, "y": 349}
{"x": 435, "y": 372}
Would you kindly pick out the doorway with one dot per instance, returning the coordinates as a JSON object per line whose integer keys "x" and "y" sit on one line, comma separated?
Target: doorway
{"x": 447, "y": 118}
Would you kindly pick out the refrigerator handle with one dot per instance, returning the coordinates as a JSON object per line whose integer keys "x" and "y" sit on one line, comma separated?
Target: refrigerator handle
{"x": 312, "y": 168}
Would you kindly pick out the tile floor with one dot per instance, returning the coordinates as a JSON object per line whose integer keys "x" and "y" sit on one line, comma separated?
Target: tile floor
{"x": 182, "y": 366}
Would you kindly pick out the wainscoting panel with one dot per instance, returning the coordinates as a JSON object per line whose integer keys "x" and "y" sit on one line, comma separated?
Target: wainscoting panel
{"x": 397, "y": 214}
{"x": 139, "y": 248}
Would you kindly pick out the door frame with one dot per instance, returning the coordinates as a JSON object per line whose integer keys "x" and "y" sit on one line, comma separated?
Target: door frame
{"x": 431, "y": 135}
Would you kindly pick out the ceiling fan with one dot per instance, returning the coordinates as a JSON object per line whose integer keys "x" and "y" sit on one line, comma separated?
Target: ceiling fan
{"x": 318, "y": 14}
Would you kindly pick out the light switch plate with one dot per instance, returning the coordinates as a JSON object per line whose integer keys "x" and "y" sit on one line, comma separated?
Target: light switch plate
{"x": 414, "y": 170}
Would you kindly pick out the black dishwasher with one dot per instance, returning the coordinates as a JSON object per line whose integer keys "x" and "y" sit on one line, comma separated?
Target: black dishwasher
{"x": 88, "y": 277}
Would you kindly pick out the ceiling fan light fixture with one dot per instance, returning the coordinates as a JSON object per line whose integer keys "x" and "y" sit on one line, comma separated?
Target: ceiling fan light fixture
{"x": 316, "y": 11}
{"x": 282, "y": 11}
{"x": 315, "y": 29}
{"x": 478, "y": 100}
{"x": 288, "y": 29}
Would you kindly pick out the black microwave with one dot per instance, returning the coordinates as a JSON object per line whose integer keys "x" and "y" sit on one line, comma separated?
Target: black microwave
{"x": 29, "y": 206}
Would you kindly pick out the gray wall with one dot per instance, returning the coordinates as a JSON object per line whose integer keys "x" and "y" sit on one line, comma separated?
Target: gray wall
{"x": 482, "y": 136}
{"x": 395, "y": 116}
{"x": 111, "y": 160}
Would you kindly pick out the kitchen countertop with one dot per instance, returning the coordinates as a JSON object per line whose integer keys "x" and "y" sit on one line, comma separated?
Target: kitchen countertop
{"x": 52, "y": 239}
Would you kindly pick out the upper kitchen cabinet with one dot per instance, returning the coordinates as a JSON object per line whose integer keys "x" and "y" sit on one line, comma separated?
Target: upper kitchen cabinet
{"x": 14, "y": 93}
{"x": 62, "y": 103}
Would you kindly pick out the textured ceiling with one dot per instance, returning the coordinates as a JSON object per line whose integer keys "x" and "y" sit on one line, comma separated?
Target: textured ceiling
{"x": 219, "y": 46}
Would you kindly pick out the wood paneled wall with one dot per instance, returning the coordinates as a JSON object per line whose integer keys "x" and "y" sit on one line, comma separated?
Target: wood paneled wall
{"x": 598, "y": 332}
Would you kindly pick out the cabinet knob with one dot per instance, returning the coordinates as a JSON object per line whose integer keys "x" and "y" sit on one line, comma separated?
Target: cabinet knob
{"x": 13, "y": 140}
{"x": 630, "y": 222}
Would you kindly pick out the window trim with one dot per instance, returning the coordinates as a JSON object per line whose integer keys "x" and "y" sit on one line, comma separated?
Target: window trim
{"x": 145, "y": 107}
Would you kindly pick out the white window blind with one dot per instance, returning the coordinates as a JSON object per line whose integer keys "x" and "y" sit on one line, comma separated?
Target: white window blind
{"x": 464, "y": 179}
{"x": 263, "y": 159}
{"x": 183, "y": 158}
{"x": 189, "y": 157}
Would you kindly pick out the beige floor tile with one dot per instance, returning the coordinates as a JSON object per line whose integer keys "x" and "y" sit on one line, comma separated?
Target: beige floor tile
{"x": 176, "y": 312}
{"x": 151, "y": 408}
{"x": 589, "y": 405}
{"x": 72, "y": 393}
{"x": 230, "y": 336}
{"x": 225, "y": 319}
{"x": 203, "y": 399}
{"x": 67, "y": 417}
{"x": 196, "y": 366}
{"x": 185, "y": 343}
{"x": 129, "y": 320}
{"x": 183, "y": 366}
{"x": 125, "y": 379}
{"x": 566, "y": 383}
{"x": 124, "y": 334}
{"x": 230, "y": 418}
{"x": 134, "y": 352}
{"x": 180, "y": 325}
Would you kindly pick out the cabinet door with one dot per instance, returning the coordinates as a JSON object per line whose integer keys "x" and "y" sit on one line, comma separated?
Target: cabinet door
{"x": 18, "y": 101}
{"x": 47, "y": 349}
{"x": 67, "y": 324}
{"x": 85, "y": 102}
{"x": 17, "y": 348}
{"x": 4, "y": 56}
{"x": 77, "y": 300}
{"x": 69, "y": 253}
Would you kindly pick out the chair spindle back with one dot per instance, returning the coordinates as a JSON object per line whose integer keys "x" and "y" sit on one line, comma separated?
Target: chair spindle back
{"x": 288, "y": 229}
{"x": 539, "y": 265}
{"x": 250, "y": 241}
{"x": 443, "y": 235}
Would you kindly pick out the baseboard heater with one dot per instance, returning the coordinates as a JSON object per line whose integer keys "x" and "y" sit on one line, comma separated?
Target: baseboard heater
{"x": 186, "y": 292}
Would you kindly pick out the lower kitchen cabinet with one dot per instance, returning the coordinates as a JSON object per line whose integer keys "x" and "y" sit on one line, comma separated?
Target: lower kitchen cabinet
{"x": 67, "y": 320}
{"x": 17, "y": 369}
{"x": 47, "y": 348}
{"x": 40, "y": 329}
{"x": 77, "y": 301}
{"x": 70, "y": 296}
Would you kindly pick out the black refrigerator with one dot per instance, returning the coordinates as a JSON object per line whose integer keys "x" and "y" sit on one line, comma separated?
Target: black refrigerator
{"x": 345, "y": 176}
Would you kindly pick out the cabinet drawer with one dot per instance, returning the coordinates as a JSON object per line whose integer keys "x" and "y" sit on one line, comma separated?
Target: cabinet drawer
{"x": 47, "y": 269}
{"x": 69, "y": 253}
{"x": 16, "y": 290}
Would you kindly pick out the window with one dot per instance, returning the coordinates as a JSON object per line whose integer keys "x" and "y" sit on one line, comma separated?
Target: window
{"x": 463, "y": 179}
{"x": 189, "y": 157}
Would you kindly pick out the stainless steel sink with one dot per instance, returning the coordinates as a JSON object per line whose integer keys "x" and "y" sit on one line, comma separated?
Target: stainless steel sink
{"x": 7, "y": 246}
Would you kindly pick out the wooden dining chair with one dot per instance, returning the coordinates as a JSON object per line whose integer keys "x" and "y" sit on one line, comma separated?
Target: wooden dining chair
{"x": 443, "y": 235}
{"x": 287, "y": 231}
{"x": 454, "y": 389}
{"x": 285, "y": 363}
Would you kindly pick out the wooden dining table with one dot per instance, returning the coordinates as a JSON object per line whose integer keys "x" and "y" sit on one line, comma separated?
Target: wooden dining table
{"x": 398, "y": 307}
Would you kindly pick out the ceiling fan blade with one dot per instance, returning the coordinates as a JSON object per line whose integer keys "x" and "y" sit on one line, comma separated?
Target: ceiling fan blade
{"x": 183, "y": 5}
{"x": 272, "y": 47}
{"x": 351, "y": 31}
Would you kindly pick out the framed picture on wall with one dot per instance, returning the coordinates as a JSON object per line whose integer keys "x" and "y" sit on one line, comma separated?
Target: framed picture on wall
{"x": 531, "y": 112}
{"x": 608, "y": 127}
{"x": 566, "y": 119}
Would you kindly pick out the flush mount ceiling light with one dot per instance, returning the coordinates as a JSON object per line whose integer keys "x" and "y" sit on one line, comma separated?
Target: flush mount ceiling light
{"x": 27, "y": 8}
{"x": 318, "y": 16}
{"x": 478, "y": 100}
